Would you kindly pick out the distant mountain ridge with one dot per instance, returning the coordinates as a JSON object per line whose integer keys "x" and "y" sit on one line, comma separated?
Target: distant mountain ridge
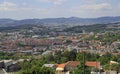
{"x": 72, "y": 21}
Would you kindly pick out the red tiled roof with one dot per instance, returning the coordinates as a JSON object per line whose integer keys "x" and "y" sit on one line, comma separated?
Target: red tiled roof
{"x": 69, "y": 63}
{"x": 93, "y": 64}
{"x": 73, "y": 63}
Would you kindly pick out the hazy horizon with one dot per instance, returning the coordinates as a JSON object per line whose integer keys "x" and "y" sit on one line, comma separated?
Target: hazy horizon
{"x": 60, "y": 17}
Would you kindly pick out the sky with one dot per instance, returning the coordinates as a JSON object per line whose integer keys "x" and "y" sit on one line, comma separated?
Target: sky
{"x": 28, "y": 9}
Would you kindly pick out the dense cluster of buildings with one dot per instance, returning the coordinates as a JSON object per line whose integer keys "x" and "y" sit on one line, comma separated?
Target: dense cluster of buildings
{"x": 15, "y": 42}
{"x": 35, "y": 45}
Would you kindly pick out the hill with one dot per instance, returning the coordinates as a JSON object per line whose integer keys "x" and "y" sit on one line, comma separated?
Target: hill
{"x": 72, "y": 21}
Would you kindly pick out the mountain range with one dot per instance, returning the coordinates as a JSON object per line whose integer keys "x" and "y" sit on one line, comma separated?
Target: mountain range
{"x": 72, "y": 21}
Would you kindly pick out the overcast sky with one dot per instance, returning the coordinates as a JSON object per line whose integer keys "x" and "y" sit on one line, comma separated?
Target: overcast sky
{"x": 24, "y": 9}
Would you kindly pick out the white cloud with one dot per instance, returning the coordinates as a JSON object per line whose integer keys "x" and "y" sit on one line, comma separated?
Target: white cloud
{"x": 43, "y": 0}
{"x": 24, "y": 4}
{"x": 7, "y": 6}
{"x": 119, "y": 6}
{"x": 35, "y": 10}
{"x": 56, "y": 2}
{"x": 93, "y": 7}
{"x": 89, "y": 1}
{"x": 93, "y": 10}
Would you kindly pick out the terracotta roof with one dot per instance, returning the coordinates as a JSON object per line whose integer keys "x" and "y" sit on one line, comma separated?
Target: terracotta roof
{"x": 61, "y": 65}
{"x": 93, "y": 64}
{"x": 73, "y": 63}
{"x": 69, "y": 63}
